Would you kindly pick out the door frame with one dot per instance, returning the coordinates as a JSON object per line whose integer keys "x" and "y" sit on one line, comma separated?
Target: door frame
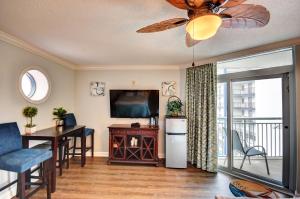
{"x": 288, "y": 103}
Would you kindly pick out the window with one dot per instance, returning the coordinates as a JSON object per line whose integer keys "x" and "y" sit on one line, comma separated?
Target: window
{"x": 34, "y": 85}
{"x": 277, "y": 58}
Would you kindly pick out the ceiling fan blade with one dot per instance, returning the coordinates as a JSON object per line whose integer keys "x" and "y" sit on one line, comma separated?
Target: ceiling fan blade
{"x": 199, "y": 3}
{"x": 189, "y": 4}
{"x": 231, "y": 3}
{"x": 189, "y": 41}
{"x": 246, "y": 16}
{"x": 178, "y": 4}
{"x": 163, "y": 25}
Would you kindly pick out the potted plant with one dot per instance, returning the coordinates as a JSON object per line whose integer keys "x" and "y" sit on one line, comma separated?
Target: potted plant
{"x": 174, "y": 107}
{"x": 30, "y": 112}
{"x": 59, "y": 115}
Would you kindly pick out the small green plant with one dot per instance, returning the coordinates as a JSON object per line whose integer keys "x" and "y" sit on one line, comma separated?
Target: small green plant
{"x": 174, "y": 107}
{"x": 30, "y": 112}
{"x": 59, "y": 113}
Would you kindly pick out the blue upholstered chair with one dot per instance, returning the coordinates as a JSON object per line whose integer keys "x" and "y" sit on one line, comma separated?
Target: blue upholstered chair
{"x": 70, "y": 120}
{"x": 14, "y": 158}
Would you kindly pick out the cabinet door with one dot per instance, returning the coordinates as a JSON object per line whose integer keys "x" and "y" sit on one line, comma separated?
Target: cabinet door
{"x": 148, "y": 148}
{"x": 118, "y": 146}
{"x": 133, "y": 147}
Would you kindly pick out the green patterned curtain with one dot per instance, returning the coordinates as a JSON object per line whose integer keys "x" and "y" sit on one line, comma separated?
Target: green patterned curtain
{"x": 201, "y": 111}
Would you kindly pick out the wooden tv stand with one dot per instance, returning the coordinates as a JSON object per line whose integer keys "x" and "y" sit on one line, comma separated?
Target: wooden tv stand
{"x": 121, "y": 149}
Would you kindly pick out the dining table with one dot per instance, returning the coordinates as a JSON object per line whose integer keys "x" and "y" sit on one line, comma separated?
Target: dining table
{"x": 55, "y": 135}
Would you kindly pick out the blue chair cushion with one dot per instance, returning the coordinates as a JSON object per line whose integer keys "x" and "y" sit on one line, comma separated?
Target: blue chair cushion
{"x": 70, "y": 120}
{"x": 22, "y": 160}
{"x": 10, "y": 138}
{"x": 88, "y": 131}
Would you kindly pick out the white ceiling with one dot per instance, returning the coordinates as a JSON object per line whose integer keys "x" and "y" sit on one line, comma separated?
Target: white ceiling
{"x": 102, "y": 32}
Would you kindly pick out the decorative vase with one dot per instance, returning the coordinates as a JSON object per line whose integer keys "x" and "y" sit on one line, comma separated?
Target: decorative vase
{"x": 135, "y": 142}
{"x": 59, "y": 122}
{"x": 132, "y": 142}
{"x": 60, "y": 129}
{"x": 30, "y": 130}
{"x": 175, "y": 114}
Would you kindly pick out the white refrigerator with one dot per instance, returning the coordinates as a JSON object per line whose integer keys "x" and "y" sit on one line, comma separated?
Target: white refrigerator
{"x": 176, "y": 142}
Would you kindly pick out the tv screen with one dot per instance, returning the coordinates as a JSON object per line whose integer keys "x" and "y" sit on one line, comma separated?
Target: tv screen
{"x": 134, "y": 103}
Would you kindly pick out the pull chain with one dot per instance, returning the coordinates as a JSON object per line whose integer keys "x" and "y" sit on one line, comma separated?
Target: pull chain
{"x": 193, "y": 64}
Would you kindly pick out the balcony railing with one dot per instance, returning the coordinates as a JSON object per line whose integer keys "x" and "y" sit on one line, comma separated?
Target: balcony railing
{"x": 266, "y": 132}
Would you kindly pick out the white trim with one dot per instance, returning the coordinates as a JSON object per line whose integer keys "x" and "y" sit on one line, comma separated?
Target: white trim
{"x": 42, "y": 53}
{"x": 161, "y": 155}
{"x": 246, "y": 52}
{"x": 98, "y": 154}
{"x": 34, "y": 50}
{"x": 127, "y": 67}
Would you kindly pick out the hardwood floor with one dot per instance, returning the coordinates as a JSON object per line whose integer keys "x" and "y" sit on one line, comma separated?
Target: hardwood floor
{"x": 99, "y": 180}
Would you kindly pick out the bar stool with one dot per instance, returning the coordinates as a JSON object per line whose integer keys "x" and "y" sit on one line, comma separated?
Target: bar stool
{"x": 14, "y": 158}
{"x": 70, "y": 120}
{"x": 63, "y": 153}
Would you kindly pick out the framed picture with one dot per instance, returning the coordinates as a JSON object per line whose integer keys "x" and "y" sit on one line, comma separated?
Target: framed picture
{"x": 97, "y": 88}
{"x": 168, "y": 88}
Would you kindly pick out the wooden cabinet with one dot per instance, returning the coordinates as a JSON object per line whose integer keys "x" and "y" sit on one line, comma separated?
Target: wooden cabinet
{"x": 133, "y": 145}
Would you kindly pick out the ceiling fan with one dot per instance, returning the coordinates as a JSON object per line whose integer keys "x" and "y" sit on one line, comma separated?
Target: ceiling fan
{"x": 207, "y": 16}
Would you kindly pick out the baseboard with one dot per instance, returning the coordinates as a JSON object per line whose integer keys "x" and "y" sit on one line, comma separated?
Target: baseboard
{"x": 161, "y": 155}
{"x": 105, "y": 154}
{"x": 98, "y": 154}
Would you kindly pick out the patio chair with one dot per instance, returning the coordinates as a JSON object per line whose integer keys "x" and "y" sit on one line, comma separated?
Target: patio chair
{"x": 248, "y": 151}
{"x": 225, "y": 133}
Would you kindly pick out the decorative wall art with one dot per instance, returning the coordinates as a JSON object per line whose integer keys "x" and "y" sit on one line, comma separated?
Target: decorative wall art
{"x": 168, "y": 88}
{"x": 97, "y": 88}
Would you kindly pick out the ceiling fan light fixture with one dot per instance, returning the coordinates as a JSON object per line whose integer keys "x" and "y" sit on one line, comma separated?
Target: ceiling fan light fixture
{"x": 204, "y": 27}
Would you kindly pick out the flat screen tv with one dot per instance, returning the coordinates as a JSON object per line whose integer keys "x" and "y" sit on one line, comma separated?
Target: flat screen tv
{"x": 134, "y": 103}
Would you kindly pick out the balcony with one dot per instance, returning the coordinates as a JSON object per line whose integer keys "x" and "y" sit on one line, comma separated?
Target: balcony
{"x": 246, "y": 90}
{"x": 244, "y": 106}
{"x": 266, "y": 132}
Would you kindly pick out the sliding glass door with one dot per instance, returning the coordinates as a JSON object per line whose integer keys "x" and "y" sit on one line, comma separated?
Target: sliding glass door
{"x": 257, "y": 136}
{"x": 253, "y": 124}
{"x": 222, "y": 125}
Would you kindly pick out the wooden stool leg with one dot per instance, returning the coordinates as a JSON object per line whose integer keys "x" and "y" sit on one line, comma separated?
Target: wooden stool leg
{"x": 47, "y": 177}
{"x": 67, "y": 154}
{"x": 40, "y": 170}
{"x": 44, "y": 174}
{"x": 74, "y": 147}
{"x": 92, "y": 143}
{"x": 21, "y": 185}
{"x": 60, "y": 161}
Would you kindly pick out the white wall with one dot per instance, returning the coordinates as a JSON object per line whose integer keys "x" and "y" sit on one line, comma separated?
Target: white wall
{"x": 12, "y": 61}
{"x": 94, "y": 112}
